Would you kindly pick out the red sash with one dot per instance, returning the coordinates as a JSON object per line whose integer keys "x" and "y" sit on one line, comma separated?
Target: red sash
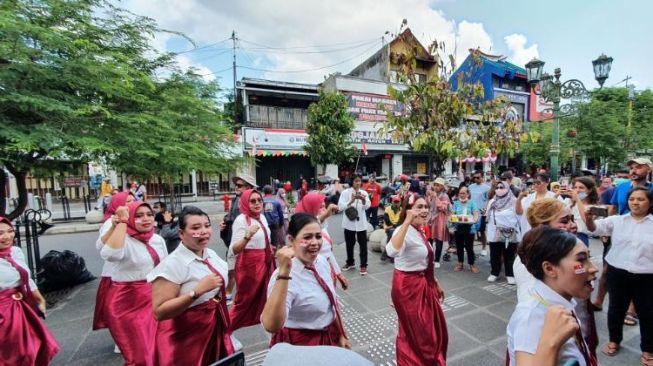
{"x": 332, "y": 300}
{"x": 25, "y": 338}
{"x": 102, "y": 298}
{"x": 254, "y": 268}
{"x": 307, "y": 337}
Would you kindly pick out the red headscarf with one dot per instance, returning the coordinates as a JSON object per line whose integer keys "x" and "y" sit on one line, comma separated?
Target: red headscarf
{"x": 243, "y": 204}
{"x": 117, "y": 200}
{"x": 5, "y": 220}
{"x": 131, "y": 223}
{"x": 310, "y": 204}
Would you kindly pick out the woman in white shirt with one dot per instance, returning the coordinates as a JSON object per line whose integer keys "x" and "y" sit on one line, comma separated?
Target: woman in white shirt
{"x": 525, "y": 200}
{"x": 583, "y": 194}
{"x": 563, "y": 270}
{"x": 250, "y": 242}
{"x": 314, "y": 204}
{"x": 422, "y": 337}
{"x": 302, "y": 308}
{"x": 189, "y": 298}
{"x": 502, "y": 229}
{"x": 25, "y": 338}
{"x": 135, "y": 250}
{"x": 630, "y": 269}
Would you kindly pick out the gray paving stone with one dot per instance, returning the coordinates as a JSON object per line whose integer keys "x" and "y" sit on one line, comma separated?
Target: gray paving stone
{"x": 482, "y": 357}
{"x": 477, "y": 296}
{"x": 480, "y": 325}
{"x": 503, "y": 309}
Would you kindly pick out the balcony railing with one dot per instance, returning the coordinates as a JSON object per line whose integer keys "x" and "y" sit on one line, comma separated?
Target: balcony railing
{"x": 277, "y": 117}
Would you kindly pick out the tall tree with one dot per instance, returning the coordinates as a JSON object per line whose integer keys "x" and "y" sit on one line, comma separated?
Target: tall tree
{"x": 329, "y": 128}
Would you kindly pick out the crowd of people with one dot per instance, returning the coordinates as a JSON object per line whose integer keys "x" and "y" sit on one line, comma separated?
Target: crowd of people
{"x": 168, "y": 299}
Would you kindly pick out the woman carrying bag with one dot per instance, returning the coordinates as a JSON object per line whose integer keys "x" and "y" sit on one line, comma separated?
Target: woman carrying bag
{"x": 502, "y": 229}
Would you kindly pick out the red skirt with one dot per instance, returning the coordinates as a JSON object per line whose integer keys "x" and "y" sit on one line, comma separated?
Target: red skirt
{"x": 24, "y": 338}
{"x": 102, "y": 298}
{"x": 196, "y": 337}
{"x": 252, "y": 278}
{"x": 307, "y": 337}
{"x": 422, "y": 337}
{"x": 131, "y": 321}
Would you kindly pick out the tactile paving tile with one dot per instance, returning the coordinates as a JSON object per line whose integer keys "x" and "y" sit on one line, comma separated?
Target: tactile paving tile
{"x": 256, "y": 359}
{"x": 368, "y": 329}
{"x": 453, "y": 302}
{"x": 500, "y": 288}
{"x": 383, "y": 353}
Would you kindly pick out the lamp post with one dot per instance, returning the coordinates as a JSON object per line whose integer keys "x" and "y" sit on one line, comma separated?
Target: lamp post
{"x": 553, "y": 91}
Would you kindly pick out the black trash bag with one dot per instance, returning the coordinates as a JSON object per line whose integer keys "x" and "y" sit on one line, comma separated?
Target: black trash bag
{"x": 60, "y": 270}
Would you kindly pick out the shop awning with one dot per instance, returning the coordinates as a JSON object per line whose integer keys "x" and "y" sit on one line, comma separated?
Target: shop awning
{"x": 279, "y": 153}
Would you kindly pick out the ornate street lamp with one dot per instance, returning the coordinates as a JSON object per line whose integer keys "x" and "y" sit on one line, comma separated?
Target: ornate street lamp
{"x": 553, "y": 90}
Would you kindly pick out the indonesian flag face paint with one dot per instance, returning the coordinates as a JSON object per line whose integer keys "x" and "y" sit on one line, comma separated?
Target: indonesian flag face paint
{"x": 579, "y": 269}
{"x": 304, "y": 243}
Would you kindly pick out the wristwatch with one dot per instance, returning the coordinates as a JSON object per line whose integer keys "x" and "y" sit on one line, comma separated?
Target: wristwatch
{"x": 193, "y": 295}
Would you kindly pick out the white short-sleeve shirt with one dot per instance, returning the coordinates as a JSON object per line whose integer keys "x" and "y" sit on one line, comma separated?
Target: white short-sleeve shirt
{"x": 307, "y": 305}
{"x": 240, "y": 228}
{"x": 9, "y": 276}
{"x": 185, "y": 268}
{"x": 632, "y": 242}
{"x": 327, "y": 250}
{"x": 526, "y": 323}
{"x": 413, "y": 255}
{"x": 133, "y": 262}
{"x": 525, "y": 204}
{"x": 107, "y": 267}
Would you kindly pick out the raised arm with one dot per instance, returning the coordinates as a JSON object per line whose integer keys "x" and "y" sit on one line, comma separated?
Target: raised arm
{"x": 275, "y": 311}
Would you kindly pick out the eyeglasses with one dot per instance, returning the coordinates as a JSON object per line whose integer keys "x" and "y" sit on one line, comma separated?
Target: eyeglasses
{"x": 255, "y": 200}
{"x": 476, "y": 178}
{"x": 537, "y": 183}
{"x": 239, "y": 185}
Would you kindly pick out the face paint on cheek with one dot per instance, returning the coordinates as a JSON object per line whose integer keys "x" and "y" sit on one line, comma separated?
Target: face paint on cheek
{"x": 196, "y": 235}
{"x": 579, "y": 269}
{"x": 303, "y": 243}
{"x": 138, "y": 221}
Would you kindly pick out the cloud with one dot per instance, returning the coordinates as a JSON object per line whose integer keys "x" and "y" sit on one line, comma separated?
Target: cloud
{"x": 519, "y": 53}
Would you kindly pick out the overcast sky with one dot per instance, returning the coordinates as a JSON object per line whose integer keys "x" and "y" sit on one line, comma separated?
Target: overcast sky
{"x": 305, "y": 40}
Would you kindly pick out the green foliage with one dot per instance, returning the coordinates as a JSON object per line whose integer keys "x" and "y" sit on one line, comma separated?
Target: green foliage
{"x": 329, "y": 128}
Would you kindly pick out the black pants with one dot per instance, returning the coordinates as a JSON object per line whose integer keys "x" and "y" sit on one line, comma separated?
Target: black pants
{"x": 372, "y": 215}
{"x": 465, "y": 242}
{"x": 500, "y": 254}
{"x": 350, "y": 240}
{"x": 623, "y": 287}
{"x": 438, "y": 249}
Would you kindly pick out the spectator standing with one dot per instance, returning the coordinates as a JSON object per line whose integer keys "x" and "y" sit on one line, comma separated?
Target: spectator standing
{"x": 355, "y": 201}
{"x": 525, "y": 200}
{"x": 391, "y": 222}
{"x": 273, "y": 211}
{"x": 140, "y": 192}
{"x": 478, "y": 191}
{"x": 582, "y": 195}
{"x": 373, "y": 190}
{"x": 502, "y": 229}
{"x": 167, "y": 227}
{"x": 466, "y": 215}
{"x": 439, "y": 208}
{"x": 640, "y": 169}
{"x": 105, "y": 191}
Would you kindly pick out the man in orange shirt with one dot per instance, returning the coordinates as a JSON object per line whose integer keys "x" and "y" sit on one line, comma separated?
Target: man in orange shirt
{"x": 373, "y": 189}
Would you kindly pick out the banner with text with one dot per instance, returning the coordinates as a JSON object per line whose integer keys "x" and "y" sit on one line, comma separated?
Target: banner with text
{"x": 366, "y": 107}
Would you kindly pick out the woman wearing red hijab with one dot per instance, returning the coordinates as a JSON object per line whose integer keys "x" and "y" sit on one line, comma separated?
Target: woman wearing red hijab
{"x": 103, "y": 291}
{"x": 314, "y": 204}
{"x": 135, "y": 250}
{"x": 254, "y": 263}
{"x": 25, "y": 338}
{"x": 422, "y": 337}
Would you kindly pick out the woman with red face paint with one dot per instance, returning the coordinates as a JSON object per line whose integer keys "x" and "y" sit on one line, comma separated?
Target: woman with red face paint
{"x": 254, "y": 262}
{"x": 314, "y": 204}
{"x": 422, "y": 338}
{"x": 189, "y": 298}
{"x": 302, "y": 308}
{"x": 25, "y": 338}
{"x": 135, "y": 250}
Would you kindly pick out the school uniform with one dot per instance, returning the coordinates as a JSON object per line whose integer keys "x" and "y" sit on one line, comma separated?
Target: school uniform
{"x": 422, "y": 337}
{"x": 311, "y": 307}
{"x": 201, "y": 334}
{"x": 103, "y": 295}
{"x": 25, "y": 340}
{"x": 327, "y": 252}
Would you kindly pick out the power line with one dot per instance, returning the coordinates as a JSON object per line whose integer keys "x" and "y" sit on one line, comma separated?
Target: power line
{"x": 313, "y": 46}
{"x": 348, "y": 48}
{"x": 202, "y": 47}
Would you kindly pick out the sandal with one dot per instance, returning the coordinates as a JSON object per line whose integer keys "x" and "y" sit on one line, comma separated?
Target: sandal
{"x": 473, "y": 269}
{"x": 646, "y": 360}
{"x": 631, "y": 319}
{"x": 458, "y": 267}
{"x": 610, "y": 349}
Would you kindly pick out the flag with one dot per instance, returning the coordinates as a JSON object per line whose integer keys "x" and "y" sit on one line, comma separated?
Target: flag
{"x": 364, "y": 148}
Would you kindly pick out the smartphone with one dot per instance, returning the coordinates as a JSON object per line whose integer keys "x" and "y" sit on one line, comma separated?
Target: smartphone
{"x": 599, "y": 211}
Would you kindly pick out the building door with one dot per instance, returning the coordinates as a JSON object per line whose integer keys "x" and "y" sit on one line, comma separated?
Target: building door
{"x": 283, "y": 168}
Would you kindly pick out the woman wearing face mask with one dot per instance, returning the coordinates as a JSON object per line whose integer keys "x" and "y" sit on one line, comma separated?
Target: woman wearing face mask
{"x": 314, "y": 204}
{"x": 254, "y": 263}
{"x": 189, "y": 298}
{"x": 422, "y": 337}
{"x": 25, "y": 338}
{"x": 465, "y": 229}
{"x": 135, "y": 250}
{"x": 563, "y": 270}
{"x": 583, "y": 194}
{"x": 440, "y": 206}
{"x": 302, "y": 308}
{"x": 502, "y": 228}
{"x": 525, "y": 200}
{"x": 630, "y": 269}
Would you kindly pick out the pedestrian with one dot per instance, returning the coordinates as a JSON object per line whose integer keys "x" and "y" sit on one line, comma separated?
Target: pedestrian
{"x": 502, "y": 229}
{"x": 373, "y": 190}
{"x": 524, "y": 200}
{"x": 478, "y": 192}
{"x": 314, "y": 204}
{"x": 466, "y": 215}
{"x": 390, "y": 223}
{"x": 440, "y": 206}
{"x": 105, "y": 191}
{"x": 354, "y": 202}
{"x": 26, "y": 339}
{"x": 630, "y": 269}
{"x": 189, "y": 298}
{"x": 169, "y": 231}
{"x": 251, "y": 244}
{"x": 139, "y": 191}
{"x": 274, "y": 215}
{"x": 302, "y": 308}
{"x": 582, "y": 195}
{"x": 422, "y": 337}
{"x": 563, "y": 271}
{"x": 135, "y": 250}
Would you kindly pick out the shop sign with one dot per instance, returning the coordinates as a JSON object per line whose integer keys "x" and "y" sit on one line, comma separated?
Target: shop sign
{"x": 258, "y": 138}
{"x": 421, "y": 168}
{"x": 71, "y": 182}
{"x": 513, "y": 97}
{"x": 366, "y": 107}
{"x": 372, "y": 137}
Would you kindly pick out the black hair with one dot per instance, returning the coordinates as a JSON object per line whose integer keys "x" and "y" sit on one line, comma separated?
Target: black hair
{"x": 161, "y": 204}
{"x": 406, "y": 205}
{"x": 542, "y": 177}
{"x": 267, "y": 189}
{"x": 544, "y": 244}
{"x": 477, "y": 172}
{"x": 298, "y": 221}
{"x": 647, "y": 192}
{"x": 590, "y": 184}
{"x": 190, "y": 211}
{"x": 356, "y": 176}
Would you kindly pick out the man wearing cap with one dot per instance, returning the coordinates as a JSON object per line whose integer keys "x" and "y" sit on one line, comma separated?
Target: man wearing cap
{"x": 242, "y": 182}
{"x": 640, "y": 169}
{"x": 373, "y": 189}
{"x": 478, "y": 191}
